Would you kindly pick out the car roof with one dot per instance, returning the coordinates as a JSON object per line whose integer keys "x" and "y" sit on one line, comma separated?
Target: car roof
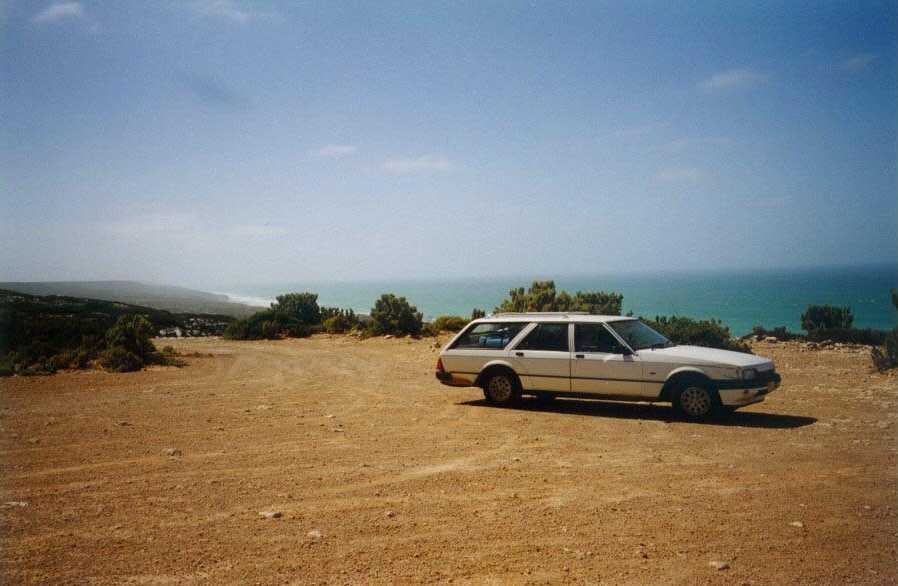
{"x": 551, "y": 316}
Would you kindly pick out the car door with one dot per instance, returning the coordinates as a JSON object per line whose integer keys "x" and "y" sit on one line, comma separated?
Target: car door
{"x": 602, "y": 365}
{"x": 543, "y": 358}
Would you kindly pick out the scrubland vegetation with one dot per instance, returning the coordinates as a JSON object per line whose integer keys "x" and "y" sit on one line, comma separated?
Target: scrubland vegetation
{"x": 42, "y": 335}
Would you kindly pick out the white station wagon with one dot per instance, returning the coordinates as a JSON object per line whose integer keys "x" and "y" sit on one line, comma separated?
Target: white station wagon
{"x": 599, "y": 357}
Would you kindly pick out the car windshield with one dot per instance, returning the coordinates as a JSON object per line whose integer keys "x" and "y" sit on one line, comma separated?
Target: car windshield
{"x": 638, "y": 335}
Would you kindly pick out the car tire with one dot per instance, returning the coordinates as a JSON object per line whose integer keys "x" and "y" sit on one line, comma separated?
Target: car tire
{"x": 502, "y": 388}
{"x": 697, "y": 401}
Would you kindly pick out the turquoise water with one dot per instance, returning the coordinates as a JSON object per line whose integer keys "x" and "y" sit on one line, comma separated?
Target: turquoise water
{"x": 740, "y": 299}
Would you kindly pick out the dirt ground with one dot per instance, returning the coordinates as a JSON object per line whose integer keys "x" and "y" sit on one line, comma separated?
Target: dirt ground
{"x": 382, "y": 475}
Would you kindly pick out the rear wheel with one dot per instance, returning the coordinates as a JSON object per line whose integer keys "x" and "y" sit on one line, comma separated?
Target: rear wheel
{"x": 697, "y": 401}
{"x": 502, "y": 389}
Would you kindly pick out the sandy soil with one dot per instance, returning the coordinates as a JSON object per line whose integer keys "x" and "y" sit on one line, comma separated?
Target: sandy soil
{"x": 381, "y": 475}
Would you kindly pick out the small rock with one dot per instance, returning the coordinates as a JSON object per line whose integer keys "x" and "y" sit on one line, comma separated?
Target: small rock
{"x": 515, "y": 459}
{"x": 798, "y": 524}
{"x": 314, "y": 534}
{"x": 719, "y": 566}
{"x": 123, "y": 424}
{"x": 338, "y": 430}
{"x": 330, "y": 416}
{"x": 391, "y": 514}
{"x": 388, "y": 337}
{"x": 11, "y": 504}
{"x": 172, "y": 452}
{"x": 271, "y": 514}
{"x": 771, "y": 339}
{"x": 34, "y": 440}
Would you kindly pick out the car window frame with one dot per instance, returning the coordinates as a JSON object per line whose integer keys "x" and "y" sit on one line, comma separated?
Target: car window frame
{"x": 526, "y": 333}
{"x": 524, "y": 329}
{"x": 620, "y": 341}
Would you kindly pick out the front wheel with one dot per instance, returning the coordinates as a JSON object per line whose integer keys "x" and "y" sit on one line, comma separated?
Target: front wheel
{"x": 501, "y": 389}
{"x": 697, "y": 401}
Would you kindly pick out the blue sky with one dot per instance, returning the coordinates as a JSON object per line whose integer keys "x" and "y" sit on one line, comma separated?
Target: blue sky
{"x": 219, "y": 141}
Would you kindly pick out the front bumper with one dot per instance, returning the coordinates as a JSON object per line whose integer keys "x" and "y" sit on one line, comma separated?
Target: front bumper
{"x": 737, "y": 393}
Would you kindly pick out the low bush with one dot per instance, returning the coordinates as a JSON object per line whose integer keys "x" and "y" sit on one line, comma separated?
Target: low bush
{"x": 395, "y": 315}
{"x": 542, "y": 296}
{"x": 448, "y": 323}
{"x": 339, "y": 321}
{"x": 132, "y": 333}
{"x": 711, "y": 333}
{"x": 779, "y": 332}
{"x": 301, "y": 307}
{"x": 477, "y": 314}
{"x": 866, "y": 337}
{"x": 885, "y": 357}
{"x": 267, "y": 324}
{"x": 119, "y": 359}
{"x": 826, "y": 317}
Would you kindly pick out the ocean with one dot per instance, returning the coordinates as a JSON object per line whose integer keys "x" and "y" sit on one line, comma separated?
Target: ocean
{"x": 740, "y": 299}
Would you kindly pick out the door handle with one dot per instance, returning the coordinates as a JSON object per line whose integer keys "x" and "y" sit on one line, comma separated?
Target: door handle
{"x": 579, "y": 356}
{"x": 518, "y": 353}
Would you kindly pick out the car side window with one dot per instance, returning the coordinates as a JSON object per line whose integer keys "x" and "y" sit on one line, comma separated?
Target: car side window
{"x": 488, "y": 336}
{"x": 546, "y": 337}
{"x": 595, "y": 338}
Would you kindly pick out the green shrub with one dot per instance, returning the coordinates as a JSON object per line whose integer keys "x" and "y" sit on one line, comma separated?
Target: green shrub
{"x": 7, "y": 365}
{"x": 779, "y": 332}
{"x": 132, "y": 333}
{"x": 448, "y": 323}
{"x": 339, "y": 321}
{"x": 826, "y": 317}
{"x": 711, "y": 333}
{"x": 119, "y": 359}
{"x": 885, "y": 357}
{"x": 865, "y": 337}
{"x": 541, "y": 296}
{"x": 267, "y": 324}
{"x": 477, "y": 314}
{"x": 395, "y": 315}
{"x": 302, "y": 307}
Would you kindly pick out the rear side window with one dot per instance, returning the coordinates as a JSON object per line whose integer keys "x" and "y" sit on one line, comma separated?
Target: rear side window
{"x": 546, "y": 337}
{"x": 595, "y": 338}
{"x": 489, "y": 336}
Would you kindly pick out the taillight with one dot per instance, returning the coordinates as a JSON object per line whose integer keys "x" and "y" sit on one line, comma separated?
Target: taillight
{"x": 440, "y": 365}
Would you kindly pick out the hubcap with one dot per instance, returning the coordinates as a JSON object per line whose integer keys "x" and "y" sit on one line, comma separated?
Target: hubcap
{"x": 500, "y": 388}
{"x": 696, "y": 401}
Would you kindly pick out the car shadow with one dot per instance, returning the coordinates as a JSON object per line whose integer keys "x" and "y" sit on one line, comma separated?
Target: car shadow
{"x": 656, "y": 412}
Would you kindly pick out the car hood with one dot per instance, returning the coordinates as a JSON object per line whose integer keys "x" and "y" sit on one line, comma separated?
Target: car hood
{"x": 702, "y": 355}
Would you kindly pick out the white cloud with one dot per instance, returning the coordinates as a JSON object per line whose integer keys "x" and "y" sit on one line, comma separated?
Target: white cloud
{"x": 336, "y": 151}
{"x": 857, "y": 63}
{"x": 229, "y": 10}
{"x": 733, "y": 79}
{"x": 682, "y": 175}
{"x": 259, "y": 231}
{"x": 422, "y": 164}
{"x": 58, "y": 11}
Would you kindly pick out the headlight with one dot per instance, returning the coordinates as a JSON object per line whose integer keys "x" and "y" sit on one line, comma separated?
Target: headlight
{"x": 749, "y": 374}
